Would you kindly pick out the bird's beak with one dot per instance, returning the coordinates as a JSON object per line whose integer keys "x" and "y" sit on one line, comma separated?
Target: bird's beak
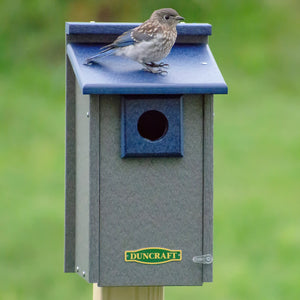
{"x": 179, "y": 18}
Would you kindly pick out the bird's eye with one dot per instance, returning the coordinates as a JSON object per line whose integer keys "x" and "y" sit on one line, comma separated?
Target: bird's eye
{"x": 167, "y": 17}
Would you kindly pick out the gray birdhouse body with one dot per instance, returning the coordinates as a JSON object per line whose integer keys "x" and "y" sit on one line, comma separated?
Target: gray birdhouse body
{"x": 139, "y": 161}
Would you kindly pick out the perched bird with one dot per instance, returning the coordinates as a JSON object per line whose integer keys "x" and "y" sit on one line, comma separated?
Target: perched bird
{"x": 148, "y": 43}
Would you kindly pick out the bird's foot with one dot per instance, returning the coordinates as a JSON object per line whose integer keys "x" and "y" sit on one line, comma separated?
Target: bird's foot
{"x": 156, "y": 71}
{"x": 162, "y": 72}
{"x": 163, "y": 65}
{"x": 156, "y": 68}
{"x": 154, "y": 65}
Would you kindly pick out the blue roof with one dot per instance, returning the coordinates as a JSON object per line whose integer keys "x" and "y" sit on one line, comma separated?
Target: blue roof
{"x": 192, "y": 70}
{"x": 119, "y": 28}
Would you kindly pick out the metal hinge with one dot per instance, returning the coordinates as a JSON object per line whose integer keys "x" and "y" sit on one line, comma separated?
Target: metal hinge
{"x": 205, "y": 259}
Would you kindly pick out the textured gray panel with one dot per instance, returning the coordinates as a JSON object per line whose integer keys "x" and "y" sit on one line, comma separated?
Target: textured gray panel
{"x": 94, "y": 189}
{"x": 150, "y": 202}
{"x": 82, "y": 183}
{"x": 70, "y": 170}
{"x": 208, "y": 185}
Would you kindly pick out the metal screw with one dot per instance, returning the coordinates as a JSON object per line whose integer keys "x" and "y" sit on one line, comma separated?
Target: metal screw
{"x": 87, "y": 114}
{"x": 208, "y": 259}
{"x": 77, "y": 269}
{"x": 83, "y": 273}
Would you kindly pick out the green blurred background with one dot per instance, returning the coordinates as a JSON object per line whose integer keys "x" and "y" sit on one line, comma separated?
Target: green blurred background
{"x": 257, "y": 145}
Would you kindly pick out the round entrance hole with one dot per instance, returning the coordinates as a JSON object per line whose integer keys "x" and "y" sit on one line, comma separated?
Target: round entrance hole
{"x": 152, "y": 125}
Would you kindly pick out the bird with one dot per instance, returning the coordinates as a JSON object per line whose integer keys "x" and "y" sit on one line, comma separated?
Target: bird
{"x": 148, "y": 43}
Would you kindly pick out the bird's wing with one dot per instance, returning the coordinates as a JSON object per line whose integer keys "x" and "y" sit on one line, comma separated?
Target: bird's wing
{"x": 146, "y": 32}
{"x": 131, "y": 37}
{"x": 141, "y": 35}
{"x": 124, "y": 40}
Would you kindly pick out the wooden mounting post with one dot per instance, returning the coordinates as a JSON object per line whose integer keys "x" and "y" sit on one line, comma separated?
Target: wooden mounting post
{"x": 128, "y": 293}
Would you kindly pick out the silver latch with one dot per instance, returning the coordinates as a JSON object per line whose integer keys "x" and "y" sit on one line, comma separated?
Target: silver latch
{"x": 205, "y": 259}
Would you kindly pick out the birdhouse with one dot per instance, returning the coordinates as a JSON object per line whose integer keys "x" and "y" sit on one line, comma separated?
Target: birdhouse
{"x": 139, "y": 161}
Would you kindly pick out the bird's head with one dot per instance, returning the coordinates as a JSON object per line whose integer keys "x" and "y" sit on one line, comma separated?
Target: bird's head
{"x": 168, "y": 16}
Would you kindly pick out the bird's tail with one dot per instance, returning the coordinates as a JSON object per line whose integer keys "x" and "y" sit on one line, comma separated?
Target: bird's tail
{"x": 104, "y": 51}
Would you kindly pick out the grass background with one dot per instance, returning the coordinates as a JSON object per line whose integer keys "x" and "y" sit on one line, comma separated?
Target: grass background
{"x": 257, "y": 145}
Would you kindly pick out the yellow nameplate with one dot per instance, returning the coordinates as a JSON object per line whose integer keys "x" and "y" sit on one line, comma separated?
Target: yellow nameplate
{"x": 153, "y": 255}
